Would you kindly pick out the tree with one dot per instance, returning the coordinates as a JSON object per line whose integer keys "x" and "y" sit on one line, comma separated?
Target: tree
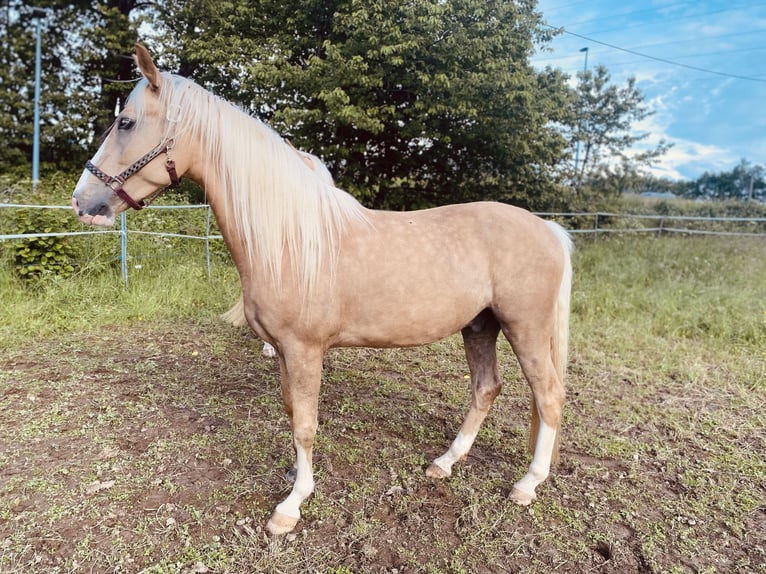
{"x": 604, "y": 116}
{"x": 411, "y": 103}
{"x": 652, "y": 184}
{"x": 17, "y": 73}
{"x": 84, "y": 58}
{"x": 750, "y": 180}
{"x": 744, "y": 182}
{"x": 106, "y": 54}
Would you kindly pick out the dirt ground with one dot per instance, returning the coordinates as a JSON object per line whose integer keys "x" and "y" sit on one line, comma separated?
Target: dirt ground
{"x": 163, "y": 448}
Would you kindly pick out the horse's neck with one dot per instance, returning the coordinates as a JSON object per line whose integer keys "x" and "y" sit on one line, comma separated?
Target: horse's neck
{"x": 297, "y": 240}
{"x": 212, "y": 184}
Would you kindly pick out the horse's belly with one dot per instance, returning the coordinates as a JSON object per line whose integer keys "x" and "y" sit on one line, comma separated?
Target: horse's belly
{"x": 383, "y": 324}
{"x": 411, "y": 298}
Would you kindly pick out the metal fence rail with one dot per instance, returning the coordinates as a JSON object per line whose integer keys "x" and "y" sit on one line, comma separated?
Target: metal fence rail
{"x": 122, "y": 231}
{"x": 600, "y": 225}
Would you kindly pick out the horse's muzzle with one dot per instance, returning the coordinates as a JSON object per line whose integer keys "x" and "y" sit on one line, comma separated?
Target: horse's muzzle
{"x": 99, "y": 213}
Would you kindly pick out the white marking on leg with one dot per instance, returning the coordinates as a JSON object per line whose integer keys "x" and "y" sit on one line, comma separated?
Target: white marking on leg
{"x": 457, "y": 450}
{"x": 541, "y": 462}
{"x": 268, "y": 350}
{"x": 303, "y": 487}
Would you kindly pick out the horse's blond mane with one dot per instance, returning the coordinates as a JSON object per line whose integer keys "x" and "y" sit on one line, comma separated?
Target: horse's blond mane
{"x": 275, "y": 200}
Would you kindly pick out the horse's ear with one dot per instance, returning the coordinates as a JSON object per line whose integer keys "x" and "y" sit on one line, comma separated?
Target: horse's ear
{"x": 147, "y": 67}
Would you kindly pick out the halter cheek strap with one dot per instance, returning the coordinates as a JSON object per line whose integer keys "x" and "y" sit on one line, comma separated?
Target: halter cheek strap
{"x": 116, "y": 182}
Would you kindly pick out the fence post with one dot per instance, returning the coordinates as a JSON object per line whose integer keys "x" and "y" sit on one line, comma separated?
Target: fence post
{"x": 207, "y": 241}
{"x": 124, "y": 247}
{"x": 595, "y": 228}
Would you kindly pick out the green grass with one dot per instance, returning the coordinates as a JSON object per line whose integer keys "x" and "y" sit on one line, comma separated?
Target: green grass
{"x": 709, "y": 289}
{"x": 138, "y": 433}
{"x": 163, "y": 287}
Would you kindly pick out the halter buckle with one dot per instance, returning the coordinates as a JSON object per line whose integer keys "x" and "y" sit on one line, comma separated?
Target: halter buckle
{"x": 115, "y": 183}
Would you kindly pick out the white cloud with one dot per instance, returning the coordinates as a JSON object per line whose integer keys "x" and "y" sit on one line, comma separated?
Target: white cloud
{"x": 686, "y": 159}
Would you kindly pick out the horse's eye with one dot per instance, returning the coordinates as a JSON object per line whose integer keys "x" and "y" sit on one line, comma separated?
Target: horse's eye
{"x": 125, "y": 123}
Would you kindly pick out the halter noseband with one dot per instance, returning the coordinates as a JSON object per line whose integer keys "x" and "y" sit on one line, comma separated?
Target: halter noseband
{"x": 116, "y": 182}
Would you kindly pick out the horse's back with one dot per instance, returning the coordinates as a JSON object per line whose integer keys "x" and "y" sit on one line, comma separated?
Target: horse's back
{"x": 477, "y": 239}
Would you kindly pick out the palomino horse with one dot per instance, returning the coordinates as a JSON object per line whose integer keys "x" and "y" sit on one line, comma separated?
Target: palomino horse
{"x": 236, "y": 315}
{"x": 318, "y": 270}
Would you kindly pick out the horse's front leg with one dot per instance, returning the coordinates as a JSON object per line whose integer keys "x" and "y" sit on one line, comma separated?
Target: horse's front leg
{"x": 301, "y": 373}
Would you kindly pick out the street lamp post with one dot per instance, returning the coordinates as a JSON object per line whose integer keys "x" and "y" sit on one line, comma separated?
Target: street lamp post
{"x": 577, "y": 146}
{"x": 38, "y": 15}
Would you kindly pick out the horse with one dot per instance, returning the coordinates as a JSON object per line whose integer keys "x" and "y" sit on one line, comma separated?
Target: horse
{"x": 236, "y": 315}
{"x": 319, "y": 270}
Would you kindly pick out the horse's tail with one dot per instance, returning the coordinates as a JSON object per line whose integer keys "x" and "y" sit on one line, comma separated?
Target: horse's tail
{"x": 236, "y": 315}
{"x": 560, "y": 341}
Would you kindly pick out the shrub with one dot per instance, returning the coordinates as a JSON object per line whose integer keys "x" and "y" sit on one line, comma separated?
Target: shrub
{"x": 37, "y": 256}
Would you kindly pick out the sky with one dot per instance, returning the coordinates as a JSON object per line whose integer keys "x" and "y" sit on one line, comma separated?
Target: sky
{"x": 708, "y": 96}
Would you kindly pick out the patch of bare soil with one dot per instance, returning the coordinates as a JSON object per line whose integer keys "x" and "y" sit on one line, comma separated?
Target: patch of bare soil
{"x": 165, "y": 448}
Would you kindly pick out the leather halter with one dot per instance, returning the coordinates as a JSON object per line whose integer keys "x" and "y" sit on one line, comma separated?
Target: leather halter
{"x": 116, "y": 182}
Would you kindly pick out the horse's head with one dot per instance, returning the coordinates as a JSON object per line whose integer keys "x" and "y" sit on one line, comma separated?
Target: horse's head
{"x": 134, "y": 161}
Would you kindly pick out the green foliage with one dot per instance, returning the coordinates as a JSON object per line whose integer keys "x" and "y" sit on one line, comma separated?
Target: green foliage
{"x": 741, "y": 190}
{"x": 603, "y": 133}
{"x": 684, "y": 207}
{"x": 47, "y": 257}
{"x": 85, "y": 47}
{"x": 669, "y": 213}
{"x": 745, "y": 181}
{"x": 411, "y": 104}
{"x": 40, "y": 256}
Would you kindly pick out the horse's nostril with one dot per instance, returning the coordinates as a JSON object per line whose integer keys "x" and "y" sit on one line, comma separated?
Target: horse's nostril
{"x": 94, "y": 210}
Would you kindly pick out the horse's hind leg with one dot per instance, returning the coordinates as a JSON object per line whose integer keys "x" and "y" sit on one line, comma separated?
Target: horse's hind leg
{"x": 480, "y": 338}
{"x": 533, "y": 348}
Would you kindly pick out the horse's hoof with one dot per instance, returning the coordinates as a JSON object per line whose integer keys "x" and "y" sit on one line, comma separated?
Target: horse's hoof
{"x": 522, "y": 498}
{"x": 280, "y": 524}
{"x": 435, "y": 471}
